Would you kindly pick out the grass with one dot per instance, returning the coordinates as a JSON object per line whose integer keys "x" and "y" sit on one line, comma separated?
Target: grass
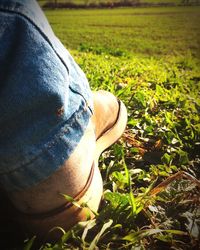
{"x": 142, "y": 31}
{"x": 149, "y": 58}
{"x": 87, "y": 2}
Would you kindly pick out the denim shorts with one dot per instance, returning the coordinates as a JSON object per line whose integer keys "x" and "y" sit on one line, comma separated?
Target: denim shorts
{"x": 45, "y": 98}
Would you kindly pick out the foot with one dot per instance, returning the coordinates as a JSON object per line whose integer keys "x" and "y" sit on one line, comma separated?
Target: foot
{"x": 106, "y": 109}
{"x": 106, "y": 126}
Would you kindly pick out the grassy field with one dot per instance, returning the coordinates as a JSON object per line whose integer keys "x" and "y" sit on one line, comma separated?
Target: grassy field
{"x": 143, "y": 31}
{"x": 87, "y": 2}
{"x": 150, "y": 59}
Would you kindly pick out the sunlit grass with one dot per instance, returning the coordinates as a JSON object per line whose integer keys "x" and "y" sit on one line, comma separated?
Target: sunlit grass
{"x": 143, "y": 31}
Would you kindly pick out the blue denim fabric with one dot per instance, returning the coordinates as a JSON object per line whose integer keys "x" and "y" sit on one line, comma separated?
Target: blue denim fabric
{"x": 45, "y": 98}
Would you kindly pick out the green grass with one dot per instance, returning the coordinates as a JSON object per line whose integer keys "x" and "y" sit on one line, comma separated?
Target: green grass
{"x": 143, "y": 31}
{"x": 149, "y": 58}
{"x": 85, "y": 2}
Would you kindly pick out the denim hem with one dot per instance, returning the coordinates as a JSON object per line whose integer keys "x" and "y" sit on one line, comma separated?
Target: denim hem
{"x": 51, "y": 155}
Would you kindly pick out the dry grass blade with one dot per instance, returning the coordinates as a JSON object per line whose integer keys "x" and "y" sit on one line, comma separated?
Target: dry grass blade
{"x": 129, "y": 138}
{"x": 177, "y": 176}
{"x": 142, "y": 144}
{"x": 158, "y": 145}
